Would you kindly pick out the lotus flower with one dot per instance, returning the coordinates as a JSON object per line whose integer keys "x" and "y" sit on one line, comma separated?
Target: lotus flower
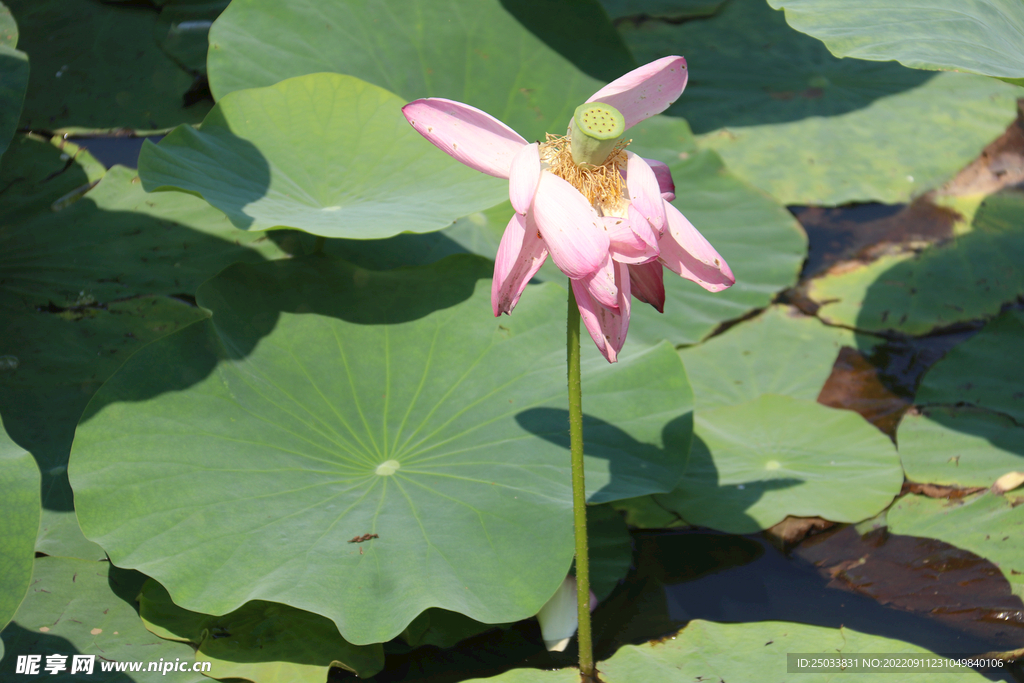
{"x": 600, "y": 211}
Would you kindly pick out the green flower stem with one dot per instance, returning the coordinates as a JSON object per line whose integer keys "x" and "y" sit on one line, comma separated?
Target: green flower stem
{"x": 579, "y": 493}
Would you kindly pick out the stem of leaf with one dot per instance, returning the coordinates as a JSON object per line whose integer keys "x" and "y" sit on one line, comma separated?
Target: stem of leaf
{"x": 319, "y": 246}
{"x": 579, "y": 497}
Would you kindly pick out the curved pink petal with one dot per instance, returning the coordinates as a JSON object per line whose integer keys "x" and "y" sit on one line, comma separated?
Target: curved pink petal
{"x": 470, "y": 136}
{"x": 523, "y": 176}
{"x": 570, "y": 227}
{"x": 644, "y": 191}
{"x": 664, "y": 176}
{"x": 601, "y": 284}
{"x": 520, "y": 255}
{"x": 686, "y": 252}
{"x": 648, "y": 284}
{"x": 607, "y": 328}
{"x": 646, "y": 91}
{"x": 641, "y": 227}
{"x": 625, "y": 244}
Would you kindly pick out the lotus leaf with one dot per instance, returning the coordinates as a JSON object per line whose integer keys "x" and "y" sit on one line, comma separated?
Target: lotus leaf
{"x": 663, "y": 9}
{"x": 706, "y": 651}
{"x": 967, "y": 277}
{"x": 988, "y": 525}
{"x": 961, "y": 447}
{"x": 96, "y": 65}
{"x": 979, "y": 36}
{"x": 809, "y": 128}
{"x": 328, "y": 154}
{"x": 755, "y": 463}
{"x": 984, "y": 371}
{"x": 19, "y": 508}
{"x": 472, "y": 51}
{"x": 13, "y": 77}
{"x": 949, "y": 443}
{"x": 365, "y": 445}
{"x": 260, "y": 641}
{"x": 40, "y": 175}
{"x": 780, "y": 351}
{"x": 182, "y": 31}
{"x": 86, "y": 607}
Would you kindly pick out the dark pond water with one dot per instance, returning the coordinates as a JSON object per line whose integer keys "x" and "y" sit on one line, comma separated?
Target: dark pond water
{"x": 115, "y": 149}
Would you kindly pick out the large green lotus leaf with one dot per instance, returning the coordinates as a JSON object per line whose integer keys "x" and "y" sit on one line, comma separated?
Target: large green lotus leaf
{"x": 781, "y": 351}
{"x": 988, "y": 525}
{"x": 19, "y": 508}
{"x": 598, "y": 50}
{"x": 325, "y": 153}
{"x": 183, "y": 31}
{"x": 473, "y": 51}
{"x": 756, "y": 463}
{"x": 813, "y": 129}
{"x": 570, "y": 675}
{"x": 959, "y": 446}
{"x": 97, "y": 66}
{"x": 75, "y": 296}
{"x": 758, "y": 238}
{"x": 324, "y": 402}
{"x": 81, "y": 607}
{"x": 116, "y": 242}
{"x": 979, "y": 36}
{"x": 975, "y": 445}
{"x": 40, "y": 173}
{"x": 13, "y": 77}
{"x": 675, "y": 10}
{"x": 965, "y": 278}
{"x": 706, "y": 651}
{"x": 984, "y": 371}
{"x": 260, "y": 641}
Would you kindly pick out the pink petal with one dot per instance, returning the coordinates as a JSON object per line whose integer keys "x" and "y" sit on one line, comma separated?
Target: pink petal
{"x": 646, "y": 91}
{"x": 607, "y": 328}
{"x": 472, "y": 137}
{"x": 521, "y": 253}
{"x": 641, "y": 227}
{"x": 570, "y": 227}
{"x": 524, "y": 174}
{"x": 686, "y": 252}
{"x": 644, "y": 191}
{"x": 626, "y": 245}
{"x": 648, "y": 284}
{"x": 601, "y": 284}
{"x": 664, "y": 176}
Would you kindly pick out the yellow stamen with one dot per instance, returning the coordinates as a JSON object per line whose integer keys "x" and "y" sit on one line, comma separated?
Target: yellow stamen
{"x": 601, "y": 185}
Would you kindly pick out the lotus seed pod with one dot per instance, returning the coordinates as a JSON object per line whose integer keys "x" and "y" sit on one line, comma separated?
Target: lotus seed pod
{"x": 596, "y": 129}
